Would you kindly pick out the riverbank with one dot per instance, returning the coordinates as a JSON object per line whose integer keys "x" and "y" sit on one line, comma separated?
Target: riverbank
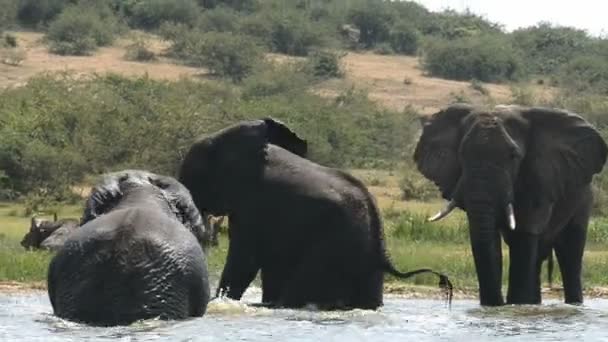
{"x": 395, "y": 289}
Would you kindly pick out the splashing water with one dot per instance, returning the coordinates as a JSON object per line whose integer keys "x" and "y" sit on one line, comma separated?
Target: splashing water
{"x": 28, "y": 317}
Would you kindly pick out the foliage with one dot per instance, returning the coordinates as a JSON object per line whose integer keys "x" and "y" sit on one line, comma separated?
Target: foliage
{"x": 373, "y": 20}
{"x": 487, "y": 58}
{"x": 293, "y": 34}
{"x": 453, "y": 25}
{"x": 79, "y": 30}
{"x": 150, "y": 14}
{"x": 139, "y": 51}
{"x": 8, "y": 13}
{"x": 404, "y": 39}
{"x": 546, "y": 47}
{"x": 219, "y": 19}
{"x": 325, "y": 64}
{"x": 270, "y": 79}
{"x": 39, "y": 12}
{"x": 588, "y": 73}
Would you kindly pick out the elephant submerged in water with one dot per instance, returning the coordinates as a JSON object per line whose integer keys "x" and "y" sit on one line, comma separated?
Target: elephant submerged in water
{"x": 137, "y": 255}
{"x": 314, "y": 232}
{"x": 520, "y": 173}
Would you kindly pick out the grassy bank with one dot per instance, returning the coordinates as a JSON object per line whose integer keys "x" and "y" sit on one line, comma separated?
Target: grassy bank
{"x": 412, "y": 242}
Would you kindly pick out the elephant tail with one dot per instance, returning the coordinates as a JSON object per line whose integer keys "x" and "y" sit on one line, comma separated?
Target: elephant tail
{"x": 385, "y": 260}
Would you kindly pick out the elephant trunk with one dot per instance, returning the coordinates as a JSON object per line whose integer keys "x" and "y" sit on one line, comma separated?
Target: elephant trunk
{"x": 486, "y": 246}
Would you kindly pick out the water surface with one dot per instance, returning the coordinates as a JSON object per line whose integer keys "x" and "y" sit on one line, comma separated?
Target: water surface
{"x": 28, "y": 317}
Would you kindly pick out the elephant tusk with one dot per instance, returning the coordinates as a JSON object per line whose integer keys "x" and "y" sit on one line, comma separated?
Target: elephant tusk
{"x": 443, "y": 213}
{"x": 511, "y": 216}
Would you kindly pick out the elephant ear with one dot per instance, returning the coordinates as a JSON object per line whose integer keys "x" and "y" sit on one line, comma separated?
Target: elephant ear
{"x": 104, "y": 196}
{"x": 436, "y": 153}
{"x": 279, "y": 134}
{"x": 182, "y": 205}
{"x": 564, "y": 153}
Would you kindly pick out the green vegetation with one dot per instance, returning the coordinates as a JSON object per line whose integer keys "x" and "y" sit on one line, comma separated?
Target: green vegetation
{"x": 79, "y": 30}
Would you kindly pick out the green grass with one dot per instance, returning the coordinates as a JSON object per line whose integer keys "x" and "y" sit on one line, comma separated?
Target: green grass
{"x": 412, "y": 243}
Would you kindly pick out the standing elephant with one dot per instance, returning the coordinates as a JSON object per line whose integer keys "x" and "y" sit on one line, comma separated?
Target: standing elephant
{"x": 520, "y": 173}
{"x": 314, "y": 232}
{"x": 137, "y": 255}
{"x": 49, "y": 235}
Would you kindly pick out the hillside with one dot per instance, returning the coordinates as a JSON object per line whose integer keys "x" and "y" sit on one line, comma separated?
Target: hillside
{"x": 393, "y": 81}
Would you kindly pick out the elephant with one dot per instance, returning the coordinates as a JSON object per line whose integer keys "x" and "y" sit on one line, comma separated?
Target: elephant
{"x": 50, "y": 235}
{"x": 313, "y": 232}
{"x": 138, "y": 254}
{"x": 520, "y": 173}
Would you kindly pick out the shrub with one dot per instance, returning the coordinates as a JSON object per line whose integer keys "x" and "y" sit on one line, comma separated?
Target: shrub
{"x": 404, "y": 39}
{"x": 325, "y": 64}
{"x": 270, "y": 79}
{"x": 586, "y": 74}
{"x": 478, "y": 86}
{"x": 415, "y": 187}
{"x": 384, "y": 49}
{"x": 293, "y": 34}
{"x": 139, "y": 51}
{"x": 219, "y": 19}
{"x": 225, "y": 54}
{"x": 150, "y": 14}
{"x": 10, "y": 40}
{"x": 8, "y": 13}
{"x": 453, "y": 25}
{"x": 39, "y": 12}
{"x": 546, "y": 47}
{"x": 488, "y": 59}
{"x": 80, "y": 30}
{"x": 373, "y": 19}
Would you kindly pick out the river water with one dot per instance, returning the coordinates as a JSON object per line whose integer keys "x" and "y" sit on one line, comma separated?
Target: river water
{"x": 28, "y": 317}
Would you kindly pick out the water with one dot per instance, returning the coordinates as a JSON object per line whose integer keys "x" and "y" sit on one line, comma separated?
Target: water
{"x": 28, "y": 317}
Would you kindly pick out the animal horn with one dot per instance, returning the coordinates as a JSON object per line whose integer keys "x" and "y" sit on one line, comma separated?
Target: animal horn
{"x": 443, "y": 213}
{"x": 450, "y": 206}
{"x": 511, "y": 216}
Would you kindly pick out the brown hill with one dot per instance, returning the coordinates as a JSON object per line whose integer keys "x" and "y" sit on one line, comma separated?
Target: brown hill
{"x": 393, "y": 81}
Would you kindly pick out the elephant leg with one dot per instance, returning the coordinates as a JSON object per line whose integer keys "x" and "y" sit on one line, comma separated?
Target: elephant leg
{"x": 569, "y": 248}
{"x": 319, "y": 280}
{"x": 240, "y": 269}
{"x": 272, "y": 284}
{"x": 543, "y": 252}
{"x": 524, "y": 282}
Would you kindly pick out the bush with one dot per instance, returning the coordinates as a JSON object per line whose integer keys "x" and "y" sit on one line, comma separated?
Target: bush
{"x": 415, "y": 187}
{"x": 488, "y": 59}
{"x": 219, "y": 19}
{"x": 225, "y": 54}
{"x": 453, "y": 25}
{"x": 294, "y": 35}
{"x": 546, "y": 48}
{"x": 373, "y": 20}
{"x": 150, "y": 14}
{"x": 384, "y": 49}
{"x": 324, "y": 64}
{"x": 586, "y": 74}
{"x": 138, "y": 51}
{"x": 80, "y": 30}
{"x": 39, "y": 12}
{"x": 8, "y": 14}
{"x": 273, "y": 79}
{"x": 404, "y": 39}
{"x": 10, "y": 40}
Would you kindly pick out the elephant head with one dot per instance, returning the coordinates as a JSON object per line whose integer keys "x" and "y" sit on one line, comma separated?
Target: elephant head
{"x": 110, "y": 192}
{"x": 219, "y": 168}
{"x": 482, "y": 160}
{"x": 39, "y": 230}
